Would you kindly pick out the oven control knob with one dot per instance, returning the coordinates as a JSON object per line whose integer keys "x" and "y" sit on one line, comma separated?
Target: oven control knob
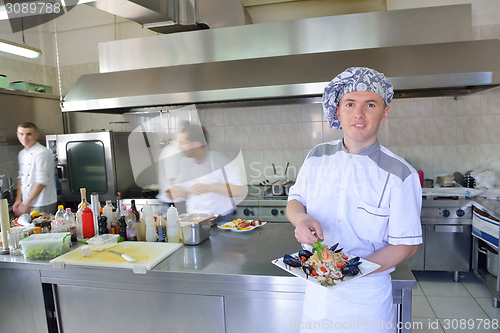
{"x": 282, "y": 212}
{"x": 274, "y": 211}
{"x": 246, "y": 211}
{"x": 446, "y": 213}
{"x": 252, "y": 213}
{"x": 460, "y": 212}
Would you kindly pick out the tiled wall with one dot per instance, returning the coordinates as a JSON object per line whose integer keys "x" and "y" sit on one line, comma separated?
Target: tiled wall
{"x": 17, "y": 70}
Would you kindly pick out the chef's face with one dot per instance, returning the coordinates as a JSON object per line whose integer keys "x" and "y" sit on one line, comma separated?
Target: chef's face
{"x": 27, "y": 136}
{"x": 186, "y": 145}
{"x": 360, "y": 114}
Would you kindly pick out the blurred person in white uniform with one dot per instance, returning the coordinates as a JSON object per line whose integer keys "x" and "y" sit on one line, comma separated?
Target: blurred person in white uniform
{"x": 357, "y": 193}
{"x": 171, "y": 157}
{"x": 36, "y": 185}
{"x": 207, "y": 179}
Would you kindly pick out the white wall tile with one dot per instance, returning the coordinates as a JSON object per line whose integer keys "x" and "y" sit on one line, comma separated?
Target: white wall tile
{"x": 272, "y": 136}
{"x": 400, "y": 108}
{"x": 234, "y": 134}
{"x": 252, "y": 116}
{"x": 468, "y": 105}
{"x": 253, "y": 160}
{"x": 214, "y": 117}
{"x": 490, "y": 125}
{"x": 253, "y": 137}
{"x": 273, "y": 157}
{"x": 271, "y": 114}
{"x": 292, "y": 135}
{"x": 422, "y": 157}
{"x": 468, "y": 130}
{"x": 445, "y": 158}
{"x": 421, "y": 107}
{"x": 445, "y": 106}
{"x": 291, "y": 113}
{"x": 312, "y": 134}
{"x": 215, "y": 133}
{"x": 490, "y": 31}
{"x": 233, "y": 116}
{"x": 490, "y": 101}
{"x": 296, "y": 159}
{"x": 468, "y": 157}
{"x": 445, "y": 130}
{"x": 422, "y": 131}
{"x": 488, "y": 151}
{"x": 330, "y": 134}
{"x": 312, "y": 112}
{"x": 399, "y": 131}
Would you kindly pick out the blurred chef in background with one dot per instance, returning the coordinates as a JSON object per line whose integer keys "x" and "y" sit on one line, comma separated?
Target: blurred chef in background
{"x": 36, "y": 185}
{"x": 207, "y": 179}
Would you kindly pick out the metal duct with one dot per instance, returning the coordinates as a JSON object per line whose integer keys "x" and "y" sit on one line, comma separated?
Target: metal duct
{"x": 169, "y": 16}
{"x": 425, "y": 52}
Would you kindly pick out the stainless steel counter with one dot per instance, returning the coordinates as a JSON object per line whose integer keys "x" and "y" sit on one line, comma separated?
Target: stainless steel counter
{"x": 206, "y": 287}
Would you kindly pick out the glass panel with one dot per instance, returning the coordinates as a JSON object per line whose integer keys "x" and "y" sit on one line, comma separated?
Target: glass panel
{"x": 86, "y": 166}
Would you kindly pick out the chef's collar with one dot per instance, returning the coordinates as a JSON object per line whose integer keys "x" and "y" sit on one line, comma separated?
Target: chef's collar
{"x": 364, "y": 151}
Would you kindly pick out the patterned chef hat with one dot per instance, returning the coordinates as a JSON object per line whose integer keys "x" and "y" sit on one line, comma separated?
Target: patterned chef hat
{"x": 354, "y": 79}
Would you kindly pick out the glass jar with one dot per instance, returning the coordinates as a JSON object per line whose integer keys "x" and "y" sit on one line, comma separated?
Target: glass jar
{"x": 14, "y": 236}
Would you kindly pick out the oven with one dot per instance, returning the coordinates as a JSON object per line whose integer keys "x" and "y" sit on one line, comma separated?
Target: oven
{"x": 261, "y": 204}
{"x": 446, "y": 233}
{"x": 97, "y": 161}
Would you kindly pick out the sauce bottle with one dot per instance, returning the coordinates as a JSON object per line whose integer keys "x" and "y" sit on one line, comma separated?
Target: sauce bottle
{"x": 108, "y": 212}
{"x": 87, "y": 222}
{"x": 162, "y": 228}
{"x": 172, "y": 225}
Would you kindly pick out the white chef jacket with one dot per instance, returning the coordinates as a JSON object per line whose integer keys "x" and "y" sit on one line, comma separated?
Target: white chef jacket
{"x": 36, "y": 165}
{"x": 209, "y": 171}
{"x": 363, "y": 201}
{"x": 171, "y": 158}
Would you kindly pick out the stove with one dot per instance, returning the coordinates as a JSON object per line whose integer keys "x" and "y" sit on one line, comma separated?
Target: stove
{"x": 261, "y": 204}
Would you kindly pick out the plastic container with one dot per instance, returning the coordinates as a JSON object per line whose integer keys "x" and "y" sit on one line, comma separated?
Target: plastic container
{"x": 196, "y": 232}
{"x": 87, "y": 223}
{"x": 108, "y": 212}
{"x": 172, "y": 225}
{"x": 46, "y": 246}
{"x": 102, "y": 242}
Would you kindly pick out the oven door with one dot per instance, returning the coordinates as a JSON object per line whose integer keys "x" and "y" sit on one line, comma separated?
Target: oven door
{"x": 85, "y": 160}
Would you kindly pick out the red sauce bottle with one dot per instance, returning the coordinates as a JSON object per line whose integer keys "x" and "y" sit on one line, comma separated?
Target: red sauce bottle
{"x": 87, "y": 223}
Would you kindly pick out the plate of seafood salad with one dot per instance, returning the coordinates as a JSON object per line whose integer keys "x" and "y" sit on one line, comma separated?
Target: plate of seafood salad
{"x": 328, "y": 267}
{"x": 242, "y": 225}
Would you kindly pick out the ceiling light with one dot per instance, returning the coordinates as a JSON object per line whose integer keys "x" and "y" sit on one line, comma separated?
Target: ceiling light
{"x": 19, "y": 49}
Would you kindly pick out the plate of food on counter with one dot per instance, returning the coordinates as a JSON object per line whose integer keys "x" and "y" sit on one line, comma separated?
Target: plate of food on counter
{"x": 324, "y": 266}
{"x": 242, "y": 225}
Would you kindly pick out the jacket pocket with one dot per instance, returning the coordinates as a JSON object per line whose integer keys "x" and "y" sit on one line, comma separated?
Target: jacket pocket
{"x": 371, "y": 224}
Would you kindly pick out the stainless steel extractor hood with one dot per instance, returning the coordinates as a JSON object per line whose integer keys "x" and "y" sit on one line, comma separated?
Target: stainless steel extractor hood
{"x": 424, "y": 52}
{"x": 169, "y": 16}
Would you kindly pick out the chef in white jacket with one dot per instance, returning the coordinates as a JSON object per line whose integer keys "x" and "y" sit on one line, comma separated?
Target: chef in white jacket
{"x": 355, "y": 192}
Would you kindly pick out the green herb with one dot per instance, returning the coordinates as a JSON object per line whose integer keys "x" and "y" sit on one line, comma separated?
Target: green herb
{"x": 84, "y": 241}
{"x": 121, "y": 239}
{"x": 318, "y": 247}
{"x": 326, "y": 284}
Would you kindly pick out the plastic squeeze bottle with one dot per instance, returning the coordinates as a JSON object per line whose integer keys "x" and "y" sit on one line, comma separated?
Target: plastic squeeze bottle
{"x": 59, "y": 223}
{"x": 172, "y": 225}
{"x": 70, "y": 220}
{"x": 87, "y": 223}
{"x": 151, "y": 229}
{"x": 108, "y": 212}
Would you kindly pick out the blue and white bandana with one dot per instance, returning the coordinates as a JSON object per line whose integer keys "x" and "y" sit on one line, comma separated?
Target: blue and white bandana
{"x": 351, "y": 80}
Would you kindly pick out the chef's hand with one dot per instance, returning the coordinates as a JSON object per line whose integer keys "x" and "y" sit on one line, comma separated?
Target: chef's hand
{"x": 198, "y": 189}
{"x": 308, "y": 231}
{"x": 21, "y": 209}
{"x": 175, "y": 192}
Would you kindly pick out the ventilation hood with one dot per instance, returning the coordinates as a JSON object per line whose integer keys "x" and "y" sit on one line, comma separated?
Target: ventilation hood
{"x": 424, "y": 52}
{"x": 169, "y": 16}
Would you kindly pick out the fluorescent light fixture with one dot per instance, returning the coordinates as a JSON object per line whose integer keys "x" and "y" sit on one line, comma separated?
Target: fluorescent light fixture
{"x": 19, "y": 49}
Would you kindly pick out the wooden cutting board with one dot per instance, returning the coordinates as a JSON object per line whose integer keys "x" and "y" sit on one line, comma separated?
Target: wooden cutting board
{"x": 147, "y": 255}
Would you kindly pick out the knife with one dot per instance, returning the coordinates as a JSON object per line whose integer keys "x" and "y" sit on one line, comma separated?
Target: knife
{"x": 123, "y": 255}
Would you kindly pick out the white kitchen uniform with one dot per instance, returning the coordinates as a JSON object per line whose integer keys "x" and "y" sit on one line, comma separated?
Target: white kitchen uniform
{"x": 214, "y": 169}
{"x": 169, "y": 164}
{"x": 36, "y": 165}
{"x": 363, "y": 201}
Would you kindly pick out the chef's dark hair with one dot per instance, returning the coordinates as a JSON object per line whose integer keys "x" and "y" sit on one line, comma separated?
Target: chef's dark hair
{"x": 196, "y": 133}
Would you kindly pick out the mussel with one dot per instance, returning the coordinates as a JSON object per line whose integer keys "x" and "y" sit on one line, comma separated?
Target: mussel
{"x": 308, "y": 270}
{"x": 304, "y": 255}
{"x": 334, "y": 247}
{"x": 291, "y": 261}
{"x": 353, "y": 261}
{"x": 351, "y": 270}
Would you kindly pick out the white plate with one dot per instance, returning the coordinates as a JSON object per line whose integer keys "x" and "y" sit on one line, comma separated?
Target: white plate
{"x": 231, "y": 224}
{"x": 365, "y": 267}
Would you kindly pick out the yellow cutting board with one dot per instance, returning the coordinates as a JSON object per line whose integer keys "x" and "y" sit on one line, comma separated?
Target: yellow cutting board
{"x": 147, "y": 255}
